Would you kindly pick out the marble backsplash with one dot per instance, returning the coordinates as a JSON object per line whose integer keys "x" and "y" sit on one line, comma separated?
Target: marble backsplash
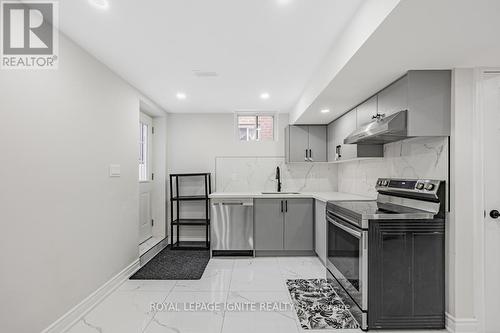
{"x": 254, "y": 174}
{"x": 412, "y": 158}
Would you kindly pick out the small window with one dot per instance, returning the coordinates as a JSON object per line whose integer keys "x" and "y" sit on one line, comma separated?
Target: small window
{"x": 143, "y": 152}
{"x": 145, "y": 131}
{"x": 255, "y": 127}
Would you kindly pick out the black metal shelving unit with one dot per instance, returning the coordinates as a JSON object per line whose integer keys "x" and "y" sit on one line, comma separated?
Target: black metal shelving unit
{"x": 175, "y": 220}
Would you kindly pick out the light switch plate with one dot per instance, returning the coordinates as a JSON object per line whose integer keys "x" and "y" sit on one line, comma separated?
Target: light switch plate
{"x": 114, "y": 170}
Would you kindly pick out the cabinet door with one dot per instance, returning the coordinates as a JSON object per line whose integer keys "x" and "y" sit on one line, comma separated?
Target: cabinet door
{"x": 299, "y": 224}
{"x": 389, "y": 274}
{"x": 346, "y": 125}
{"x": 331, "y": 141}
{"x": 317, "y": 143}
{"x": 366, "y": 111}
{"x": 268, "y": 226}
{"x": 406, "y": 275}
{"x": 428, "y": 273}
{"x": 298, "y": 143}
{"x": 320, "y": 230}
{"x": 394, "y": 98}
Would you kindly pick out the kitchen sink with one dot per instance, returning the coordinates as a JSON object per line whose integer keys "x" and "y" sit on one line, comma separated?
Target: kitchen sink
{"x": 277, "y": 193}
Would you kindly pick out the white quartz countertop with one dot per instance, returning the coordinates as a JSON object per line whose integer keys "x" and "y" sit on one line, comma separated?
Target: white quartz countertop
{"x": 321, "y": 196}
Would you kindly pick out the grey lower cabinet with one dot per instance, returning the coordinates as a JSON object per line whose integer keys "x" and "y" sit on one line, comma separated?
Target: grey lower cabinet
{"x": 298, "y": 224}
{"x": 406, "y": 275}
{"x": 320, "y": 230}
{"x": 268, "y": 224}
{"x": 284, "y": 225}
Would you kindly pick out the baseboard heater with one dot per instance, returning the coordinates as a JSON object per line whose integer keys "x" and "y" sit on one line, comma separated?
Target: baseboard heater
{"x": 232, "y": 253}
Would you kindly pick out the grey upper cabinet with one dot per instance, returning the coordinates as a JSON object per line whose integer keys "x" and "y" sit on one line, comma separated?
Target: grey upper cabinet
{"x": 332, "y": 129}
{"x": 366, "y": 111}
{"x": 317, "y": 143}
{"x": 283, "y": 224}
{"x": 426, "y": 94}
{"x": 298, "y": 143}
{"x": 299, "y": 224}
{"x": 429, "y": 103}
{"x": 305, "y": 143}
{"x": 346, "y": 125}
{"x": 268, "y": 226}
{"x": 394, "y": 98}
{"x": 338, "y": 131}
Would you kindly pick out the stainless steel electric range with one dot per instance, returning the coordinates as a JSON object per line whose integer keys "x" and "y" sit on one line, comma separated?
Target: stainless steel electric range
{"x": 388, "y": 254}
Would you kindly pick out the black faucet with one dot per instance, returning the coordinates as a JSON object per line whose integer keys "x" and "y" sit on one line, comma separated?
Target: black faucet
{"x": 278, "y": 178}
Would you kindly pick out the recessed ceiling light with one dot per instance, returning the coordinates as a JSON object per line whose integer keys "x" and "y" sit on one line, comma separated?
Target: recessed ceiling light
{"x": 100, "y": 4}
{"x": 180, "y": 95}
{"x": 264, "y": 95}
{"x": 325, "y": 110}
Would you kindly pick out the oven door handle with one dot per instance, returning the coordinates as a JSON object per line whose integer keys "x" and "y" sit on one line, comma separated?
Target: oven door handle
{"x": 354, "y": 233}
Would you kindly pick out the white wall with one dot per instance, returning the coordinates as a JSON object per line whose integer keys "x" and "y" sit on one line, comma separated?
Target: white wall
{"x": 460, "y": 241}
{"x": 67, "y": 228}
{"x": 194, "y": 140}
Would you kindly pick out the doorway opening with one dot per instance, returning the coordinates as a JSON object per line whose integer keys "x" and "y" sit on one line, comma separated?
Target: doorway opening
{"x": 487, "y": 199}
{"x": 151, "y": 177}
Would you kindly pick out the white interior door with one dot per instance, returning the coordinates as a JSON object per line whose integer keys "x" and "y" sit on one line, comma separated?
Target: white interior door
{"x": 145, "y": 177}
{"x": 490, "y": 102}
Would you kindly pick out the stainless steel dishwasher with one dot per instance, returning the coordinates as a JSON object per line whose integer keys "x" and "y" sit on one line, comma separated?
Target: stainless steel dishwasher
{"x": 232, "y": 227}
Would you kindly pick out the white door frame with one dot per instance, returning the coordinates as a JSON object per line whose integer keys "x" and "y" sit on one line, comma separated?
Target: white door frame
{"x": 146, "y": 185}
{"x": 478, "y": 206}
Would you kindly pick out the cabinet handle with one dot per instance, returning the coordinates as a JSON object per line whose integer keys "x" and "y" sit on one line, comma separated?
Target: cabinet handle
{"x": 379, "y": 116}
{"x": 281, "y": 206}
{"x": 305, "y": 158}
{"x": 286, "y": 206}
{"x": 310, "y": 155}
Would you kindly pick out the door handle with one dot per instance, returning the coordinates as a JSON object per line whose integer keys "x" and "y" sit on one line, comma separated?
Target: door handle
{"x": 494, "y": 214}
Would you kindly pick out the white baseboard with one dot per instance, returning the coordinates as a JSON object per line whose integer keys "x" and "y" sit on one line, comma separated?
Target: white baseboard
{"x": 81, "y": 309}
{"x": 153, "y": 251}
{"x": 461, "y": 325}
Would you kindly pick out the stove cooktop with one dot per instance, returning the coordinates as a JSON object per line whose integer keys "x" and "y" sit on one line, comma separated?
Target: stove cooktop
{"x": 356, "y": 211}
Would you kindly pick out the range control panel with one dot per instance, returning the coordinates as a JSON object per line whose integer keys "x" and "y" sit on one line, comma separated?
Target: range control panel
{"x": 408, "y": 185}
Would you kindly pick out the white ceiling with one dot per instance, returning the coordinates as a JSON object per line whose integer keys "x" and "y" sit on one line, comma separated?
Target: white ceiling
{"x": 254, "y": 46}
{"x": 417, "y": 34}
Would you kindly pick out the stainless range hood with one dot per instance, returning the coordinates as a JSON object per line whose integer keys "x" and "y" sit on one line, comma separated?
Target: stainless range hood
{"x": 384, "y": 130}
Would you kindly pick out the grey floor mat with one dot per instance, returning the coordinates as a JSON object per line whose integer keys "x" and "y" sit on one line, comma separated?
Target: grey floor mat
{"x": 174, "y": 265}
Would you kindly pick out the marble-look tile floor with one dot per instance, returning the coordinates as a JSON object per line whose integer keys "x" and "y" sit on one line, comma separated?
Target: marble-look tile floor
{"x": 230, "y": 281}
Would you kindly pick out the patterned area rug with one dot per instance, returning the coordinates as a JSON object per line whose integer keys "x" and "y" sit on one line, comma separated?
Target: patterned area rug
{"x": 318, "y": 306}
